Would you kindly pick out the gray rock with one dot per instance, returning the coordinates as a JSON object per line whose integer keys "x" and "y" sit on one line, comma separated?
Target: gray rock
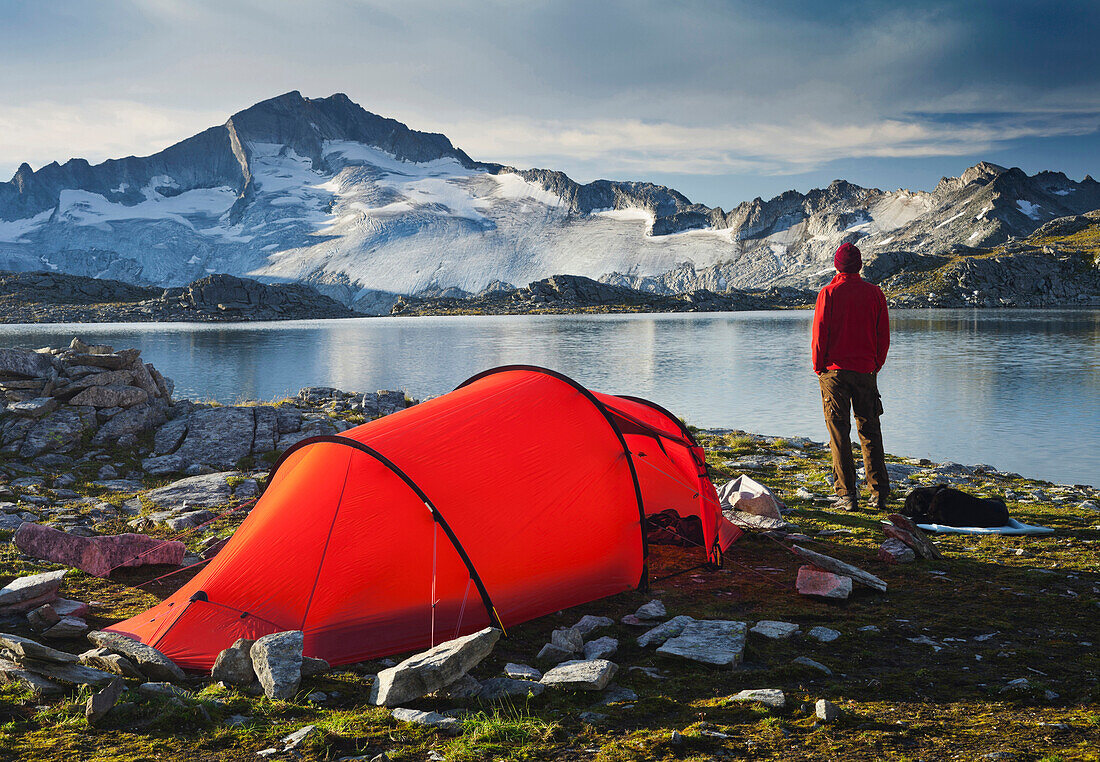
{"x": 103, "y": 659}
{"x": 194, "y": 492}
{"x": 288, "y": 419}
{"x": 169, "y": 436}
{"x": 569, "y": 640}
{"x": 298, "y": 737}
{"x": 187, "y": 520}
{"x": 497, "y": 688}
{"x": 600, "y": 648}
{"x": 592, "y": 718}
{"x": 591, "y": 675}
{"x": 103, "y": 701}
{"x": 152, "y": 663}
{"x": 652, "y": 610}
{"x": 74, "y": 674}
{"x": 162, "y": 690}
{"x": 805, "y": 661}
{"x": 59, "y": 432}
{"x": 131, "y": 421}
{"x": 68, "y": 627}
{"x": 589, "y": 624}
{"x": 277, "y": 661}
{"x": 112, "y": 395}
{"x": 23, "y": 362}
{"x": 234, "y": 664}
{"x": 431, "y": 670}
{"x": 266, "y": 432}
{"x": 770, "y": 697}
{"x": 826, "y": 711}
{"x": 823, "y": 634}
{"x": 828, "y": 563}
{"x": 218, "y": 437}
{"x": 464, "y": 687}
{"x": 36, "y": 407}
{"x": 664, "y": 631}
{"x": 448, "y": 725}
{"x": 773, "y": 630}
{"x": 553, "y": 654}
{"x": 720, "y": 642}
{"x": 311, "y": 666}
{"x": 521, "y": 672}
{"x": 162, "y": 465}
{"x": 30, "y": 588}
{"x": 30, "y": 649}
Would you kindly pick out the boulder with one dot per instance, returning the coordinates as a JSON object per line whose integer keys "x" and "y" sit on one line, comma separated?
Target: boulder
{"x": 97, "y": 556}
{"x": 23, "y": 362}
{"x": 894, "y": 551}
{"x": 151, "y": 662}
{"x": 664, "y": 631}
{"x": 829, "y": 563}
{"x": 600, "y": 648}
{"x": 169, "y": 436}
{"x": 769, "y": 697}
{"x": 521, "y": 672}
{"x": 823, "y": 634}
{"x": 773, "y": 630}
{"x": 588, "y": 624}
{"x": 593, "y": 675}
{"x": 749, "y": 496}
{"x": 27, "y": 590}
{"x": 553, "y": 654}
{"x": 277, "y": 661}
{"x": 234, "y": 664}
{"x": 68, "y": 627}
{"x": 570, "y": 641}
{"x": 719, "y": 642}
{"x": 103, "y": 701}
{"x": 431, "y": 670}
{"x": 131, "y": 421}
{"x": 814, "y": 581}
{"x": 111, "y": 395}
{"x": 826, "y": 711}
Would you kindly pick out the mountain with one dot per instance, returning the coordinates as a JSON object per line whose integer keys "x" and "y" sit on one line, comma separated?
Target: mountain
{"x": 363, "y": 208}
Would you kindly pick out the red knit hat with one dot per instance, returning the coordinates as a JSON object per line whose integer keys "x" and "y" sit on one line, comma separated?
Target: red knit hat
{"x": 847, "y": 258}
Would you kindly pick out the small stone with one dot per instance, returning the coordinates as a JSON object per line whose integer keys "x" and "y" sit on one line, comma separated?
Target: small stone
{"x": 295, "y": 739}
{"x": 553, "y": 654}
{"x": 235, "y": 720}
{"x": 616, "y": 694}
{"x": 497, "y": 688}
{"x": 601, "y": 648}
{"x": 894, "y": 551}
{"x": 103, "y": 701}
{"x": 431, "y": 670}
{"x": 805, "y": 661}
{"x": 162, "y": 690}
{"x": 662, "y": 632}
{"x": 448, "y": 725}
{"x": 826, "y": 711}
{"x": 570, "y": 640}
{"x": 770, "y": 697}
{"x": 43, "y": 617}
{"x": 591, "y": 675}
{"x": 311, "y": 666}
{"x": 652, "y": 610}
{"x": 824, "y": 634}
{"x": 68, "y": 627}
{"x": 773, "y": 630}
{"x": 592, "y": 718}
{"x": 589, "y": 623}
{"x": 870, "y": 629}
{"x": 522, "y": 672}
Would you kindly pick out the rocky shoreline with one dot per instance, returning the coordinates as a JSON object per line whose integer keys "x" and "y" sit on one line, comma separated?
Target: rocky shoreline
{"x": 101, "y": 469}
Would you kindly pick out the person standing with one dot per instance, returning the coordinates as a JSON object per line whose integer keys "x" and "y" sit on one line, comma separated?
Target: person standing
{"x": 851, "y": 336}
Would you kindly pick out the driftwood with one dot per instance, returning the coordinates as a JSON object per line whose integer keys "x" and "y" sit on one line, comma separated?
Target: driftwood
{"x": 902, "y": 528}
{"x": 829, "y": 563}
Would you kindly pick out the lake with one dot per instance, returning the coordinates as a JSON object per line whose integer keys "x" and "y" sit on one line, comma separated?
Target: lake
{"x": 1017, "y": 389}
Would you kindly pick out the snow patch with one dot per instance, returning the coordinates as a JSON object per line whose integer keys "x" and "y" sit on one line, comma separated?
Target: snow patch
{"x": 975, "y": 234}
{"x": 85, "y": 208}
{"x": 883, "y": 242}
{"x": 950, "y": 219}
{"x": 13, "y": 230}
{"x": 512, "y": 187}
{"x": 1064, "y": 191}
{"x": 1028, "y": 208}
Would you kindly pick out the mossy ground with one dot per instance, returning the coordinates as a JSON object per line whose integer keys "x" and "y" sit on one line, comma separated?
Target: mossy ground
{"x": 1039, "y": 598}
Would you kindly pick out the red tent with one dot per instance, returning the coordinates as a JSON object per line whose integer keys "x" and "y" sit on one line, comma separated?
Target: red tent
{"x": 516, "y": 495}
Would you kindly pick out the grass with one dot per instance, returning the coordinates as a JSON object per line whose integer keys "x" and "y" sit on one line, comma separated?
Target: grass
{"x": 1038, "y": 598}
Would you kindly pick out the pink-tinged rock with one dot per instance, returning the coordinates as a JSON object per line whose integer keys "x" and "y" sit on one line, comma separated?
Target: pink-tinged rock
{"x": 26, "y": 593}
{"x": 66, "y": 607}
{"x": 814, "y": 581}
{"x": 894, "y": 551}
{"x": 96, "y": 555}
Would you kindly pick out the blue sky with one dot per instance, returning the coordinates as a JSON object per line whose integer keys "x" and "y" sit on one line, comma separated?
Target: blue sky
{"x": 723, "y": 100}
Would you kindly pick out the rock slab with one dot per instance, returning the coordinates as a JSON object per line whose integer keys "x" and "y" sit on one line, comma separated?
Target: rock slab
{"x": 814, "y": 581}
{"x": 711, "y": 641}
{"x": 836, "y": 566}
{"x": 152, "y": 663}
{"x": 581, "y": 675}
{"x": 773, "y": 630}
{"x": 770, "y": 697}
{"x": 36, "y": 587}
{"x": 431, "y": 670}
{"x": 97, "y": 556}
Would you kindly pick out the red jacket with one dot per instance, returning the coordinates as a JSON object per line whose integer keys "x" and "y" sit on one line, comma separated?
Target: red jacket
{"x": 851, "y": 326}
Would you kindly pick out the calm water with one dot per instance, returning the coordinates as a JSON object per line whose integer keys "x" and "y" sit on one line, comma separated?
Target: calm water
{"x": 1019, "y": 390}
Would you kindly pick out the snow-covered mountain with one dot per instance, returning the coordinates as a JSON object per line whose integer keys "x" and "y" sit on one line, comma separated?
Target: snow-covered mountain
{"x": 363, "y": 208}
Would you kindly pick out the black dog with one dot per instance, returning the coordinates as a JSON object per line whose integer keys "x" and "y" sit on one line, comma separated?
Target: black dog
{"x": 954, "y": 508}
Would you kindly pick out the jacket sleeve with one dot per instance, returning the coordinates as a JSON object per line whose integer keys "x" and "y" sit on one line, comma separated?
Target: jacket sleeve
{"x": 883, "y": 328}
{"x": 820, "y": 336}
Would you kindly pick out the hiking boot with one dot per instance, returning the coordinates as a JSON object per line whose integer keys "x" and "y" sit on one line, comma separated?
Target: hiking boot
{"x": 846, "y": 503}
{"x": 881, "y": 502}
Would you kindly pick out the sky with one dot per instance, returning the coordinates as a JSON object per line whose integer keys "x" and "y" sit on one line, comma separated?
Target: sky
{"x": 721, "y": 99}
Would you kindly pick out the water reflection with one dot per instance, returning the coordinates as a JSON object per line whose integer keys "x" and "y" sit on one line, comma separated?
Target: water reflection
{"x": 1016, "y": 389}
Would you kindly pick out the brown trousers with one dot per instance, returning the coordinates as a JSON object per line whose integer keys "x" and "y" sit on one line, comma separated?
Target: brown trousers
{"x": 841, "y": 391}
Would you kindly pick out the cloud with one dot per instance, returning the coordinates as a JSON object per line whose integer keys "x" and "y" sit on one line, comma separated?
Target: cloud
{"x": 39, "y": 132}
{"x": 630, "y": 146}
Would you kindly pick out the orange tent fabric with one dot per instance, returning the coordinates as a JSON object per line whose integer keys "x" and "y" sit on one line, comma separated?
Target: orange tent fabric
{"x": 514, "y": 496}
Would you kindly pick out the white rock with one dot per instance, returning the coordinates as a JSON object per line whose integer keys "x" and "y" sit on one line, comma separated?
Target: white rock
{"x": 772, "y": 697}
{"x": 711, "y": 641}
{"x": 591, "y": 675}
{"x": 521, "y": 672}
{"x": 431, "y": 670}
{"x": 652, "y": 610}
{"x": 824, "y": 634}
{"x": 601, "y": 648}
{"x": 774, "y": 630}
